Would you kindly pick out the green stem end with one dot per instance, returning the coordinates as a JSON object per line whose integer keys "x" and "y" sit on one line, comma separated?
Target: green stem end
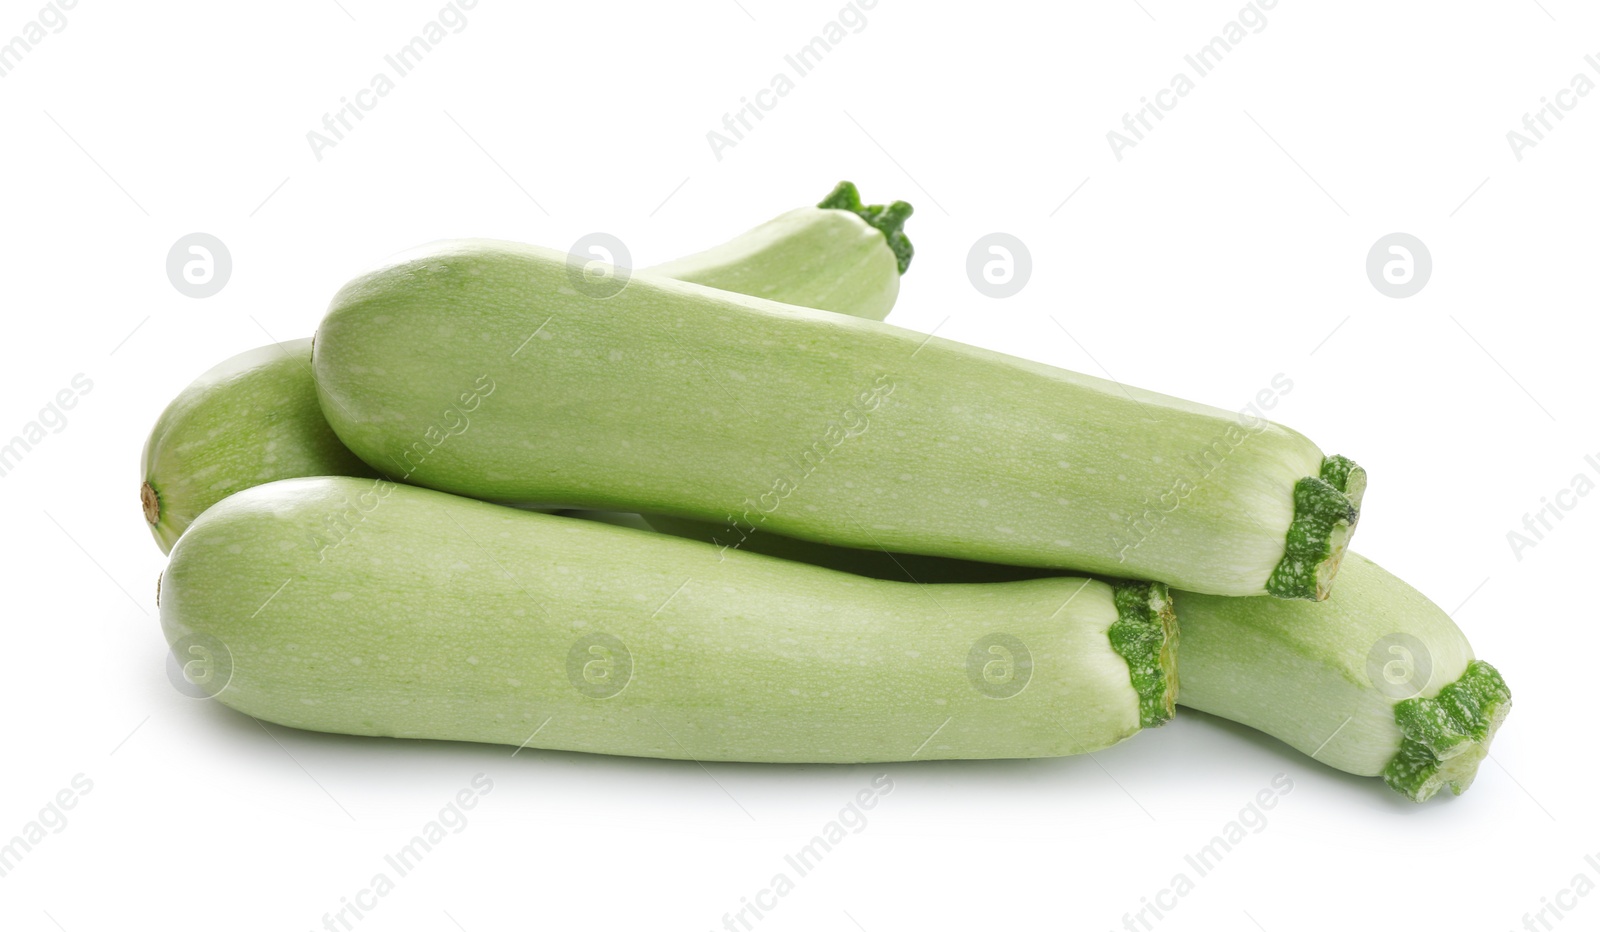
{"x": 1448, "y": 736}
{"x": 1326, "y": 508}
{"x": 890, "y": 219}
{"x": 1145, "y": 635}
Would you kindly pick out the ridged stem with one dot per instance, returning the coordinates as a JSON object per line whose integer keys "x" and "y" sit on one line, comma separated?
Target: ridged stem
{"x": 1326, "y": 508}
{"x": 888, "y": 219}
{"x": 1446, "y": 737}
{"x": 1145, "y": 635}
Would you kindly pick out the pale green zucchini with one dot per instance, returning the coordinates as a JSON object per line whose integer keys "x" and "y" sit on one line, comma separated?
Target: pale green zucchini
{"x": 371, "y": 608}
{"x": 249, "y": 420}
{"x": 678, "y": 399}
{"x": 831, "y": 257}
{"x": 255, "y": 417}
{"x": 1377, "y": 680}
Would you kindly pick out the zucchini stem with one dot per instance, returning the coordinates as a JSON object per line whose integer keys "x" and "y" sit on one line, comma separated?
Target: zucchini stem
{"x": 1326, "y": 509}
{"x": 1145, "y": 635}
{"x": 888, "y": 219}
{"x": 1446, "y": 737}
{"x": 150, "y": 502}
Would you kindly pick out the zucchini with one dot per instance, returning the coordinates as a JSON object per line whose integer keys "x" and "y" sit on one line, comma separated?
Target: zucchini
{"x": 673, "y": 398}
{"x": 1376, "y": 681}
{"x": 249, "y": 420}
{"x": 255, "y": 418}
{"x": 431, "y": 616}
{"x": 830, "y": 257}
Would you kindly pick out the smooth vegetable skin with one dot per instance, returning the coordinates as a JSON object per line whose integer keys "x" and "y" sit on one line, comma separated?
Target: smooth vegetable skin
{"x": 252, "y": 419}
{"x": 255, "y": 418}
{"x": 370, "y": 608}
{"x": 673, "y": 398}
{"x": 839, "y": 256}
{"x": 1377, "y": 680}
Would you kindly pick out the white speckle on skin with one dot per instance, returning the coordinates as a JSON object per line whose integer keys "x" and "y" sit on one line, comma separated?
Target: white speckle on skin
{"x": 341, "y": 596}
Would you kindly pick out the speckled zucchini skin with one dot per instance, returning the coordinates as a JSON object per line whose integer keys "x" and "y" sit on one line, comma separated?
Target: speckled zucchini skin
{"x": 372, "y": 608}
{"x": 668, "y": 397}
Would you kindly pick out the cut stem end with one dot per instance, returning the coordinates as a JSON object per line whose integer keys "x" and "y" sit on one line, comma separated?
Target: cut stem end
{"x": 1448, "y": 736}
{"x": 1326, "y": 508}
{"x": 150, "y": 502}
{"x": 1145, "y": 635}
{"x": 888, "y": 219}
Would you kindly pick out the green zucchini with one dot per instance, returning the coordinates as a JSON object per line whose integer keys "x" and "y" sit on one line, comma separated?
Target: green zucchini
{"x": 677, "y": 399}
{"x": 371, "y": 608}
{"x": 1378, "y": 680}
{"x": 255, "y": 418}
{"x": 831, "y": 257}
{"x": 249, "y": 420}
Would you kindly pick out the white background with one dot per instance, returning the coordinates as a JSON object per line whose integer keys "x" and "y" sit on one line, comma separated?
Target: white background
{"x": 1227, "y": 247}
